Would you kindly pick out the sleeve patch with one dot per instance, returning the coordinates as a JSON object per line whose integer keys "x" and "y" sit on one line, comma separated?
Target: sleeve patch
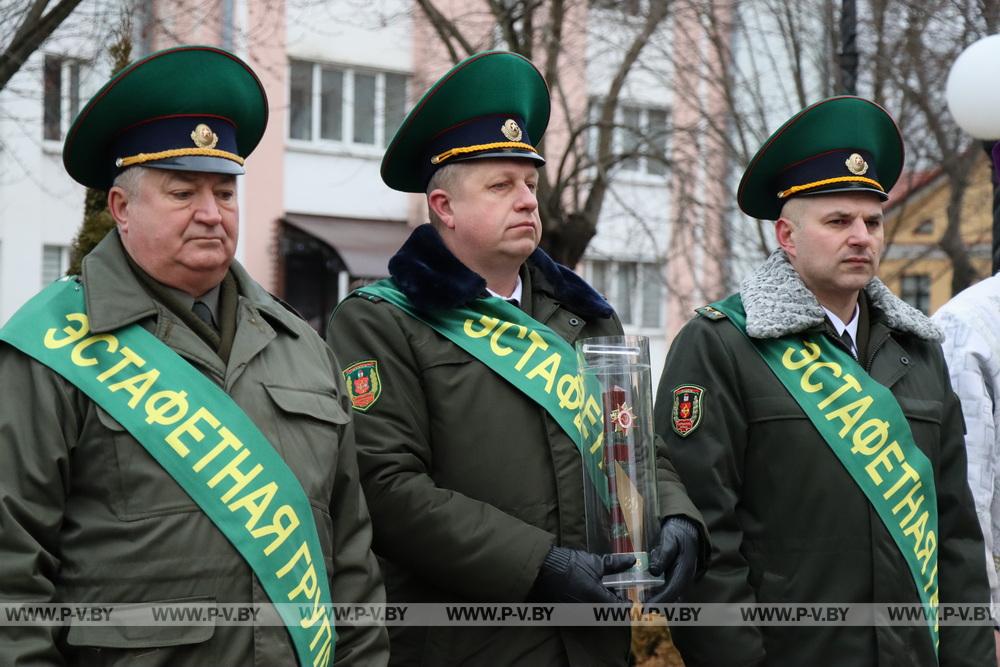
{"x": 685, "y": 415}
{"x": 364, "y": 385}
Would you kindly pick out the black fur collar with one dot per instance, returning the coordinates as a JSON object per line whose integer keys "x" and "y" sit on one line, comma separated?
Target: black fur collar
{"x": 434, "y": 279}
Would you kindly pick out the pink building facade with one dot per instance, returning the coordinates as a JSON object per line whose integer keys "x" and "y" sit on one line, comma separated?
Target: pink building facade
{"x": 315, "y": 216}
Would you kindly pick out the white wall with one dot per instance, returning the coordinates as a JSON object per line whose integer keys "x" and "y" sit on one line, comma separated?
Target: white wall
{"x": 634, "y": 221}
{"x": 39, "y": 203}
{"x": 336, "y": 180}
{"x": 328, "y": 183}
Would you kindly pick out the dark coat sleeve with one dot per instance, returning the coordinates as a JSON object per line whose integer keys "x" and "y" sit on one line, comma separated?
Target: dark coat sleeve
{"x": 710, "y": 460}
{"x": 675, "y": 501}
{"x": 356, "y": 577}
{"x": 461, "y": 544}
{"x": 38, "y": 428}
{"x": 961, "y": 558}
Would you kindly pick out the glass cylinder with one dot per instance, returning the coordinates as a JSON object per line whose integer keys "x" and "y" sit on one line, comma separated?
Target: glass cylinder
{"x": 622, "y": 510}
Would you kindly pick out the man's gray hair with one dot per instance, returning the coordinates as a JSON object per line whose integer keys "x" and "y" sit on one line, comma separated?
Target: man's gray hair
{"x": 446, "y": 178}
{"x": 129, "y": 180}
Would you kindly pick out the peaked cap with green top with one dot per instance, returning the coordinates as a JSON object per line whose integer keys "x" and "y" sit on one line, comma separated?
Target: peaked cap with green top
{"x": 839, "y": 144}
{"x": 492, "y": 104}
{"x": 190, "y": 108}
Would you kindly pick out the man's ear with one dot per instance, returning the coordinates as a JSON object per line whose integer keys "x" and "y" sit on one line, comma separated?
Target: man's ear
{"x": 118, "y": 207}
{"x": 784, "y": 232}
{"x": 439, "y": 202}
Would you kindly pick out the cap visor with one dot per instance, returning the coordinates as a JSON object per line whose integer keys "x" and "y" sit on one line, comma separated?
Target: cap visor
{"x": 199, "y": 163}
{"x": 841, "y": 188}
{"x": 501, "y": 155}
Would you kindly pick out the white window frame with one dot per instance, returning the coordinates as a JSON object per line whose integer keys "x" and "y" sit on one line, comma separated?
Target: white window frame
{"x": 622, "y": 168}
{"x": 70, "y": 100}
{"x": 613, "y": 275}
{"x": 346, "y": 143}
{"x": 63, "y": 263}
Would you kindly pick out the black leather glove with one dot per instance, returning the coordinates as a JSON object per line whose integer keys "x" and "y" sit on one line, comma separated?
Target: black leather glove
{"x": 571, "y": 575}
{"x": 676, "y": 556}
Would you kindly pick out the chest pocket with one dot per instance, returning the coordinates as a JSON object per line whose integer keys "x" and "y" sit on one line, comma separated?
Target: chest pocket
{"x": 144, "y": 488}
{"x": 924, "y": 417}
{"x": 307, "y": 429}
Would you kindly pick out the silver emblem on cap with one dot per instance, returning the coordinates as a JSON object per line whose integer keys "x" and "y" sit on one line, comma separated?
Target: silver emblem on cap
{"x": 511, "y": 130}
{"x": 856, "y": 164}
{"x": 204, "y": 137}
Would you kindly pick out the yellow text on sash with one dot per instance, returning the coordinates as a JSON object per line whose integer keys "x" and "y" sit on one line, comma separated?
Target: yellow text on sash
{"x": 872, "y": 441}
{"x": 217, "y": 455}
{"x": 543, "y": 370}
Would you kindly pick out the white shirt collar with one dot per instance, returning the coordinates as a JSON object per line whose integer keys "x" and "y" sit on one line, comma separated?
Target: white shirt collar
{"x": 851, "y": 327}
{"x": 516, "y": 295}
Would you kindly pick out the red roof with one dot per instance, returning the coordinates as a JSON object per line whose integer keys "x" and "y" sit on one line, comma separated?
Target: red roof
{"x": 910, "y": 182}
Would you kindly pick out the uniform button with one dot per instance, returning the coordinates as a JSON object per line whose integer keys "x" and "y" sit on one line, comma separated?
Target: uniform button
{"x": 905, "y": 361}
{"x": 573, "y": 322}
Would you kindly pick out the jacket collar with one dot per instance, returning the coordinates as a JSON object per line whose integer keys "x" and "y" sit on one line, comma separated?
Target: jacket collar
{"x": 778, "y": 303}
{"x": 434, "y": 279}
{"x": 116, "y": 298}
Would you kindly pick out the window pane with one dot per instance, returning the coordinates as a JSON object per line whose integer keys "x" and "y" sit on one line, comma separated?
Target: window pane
{"x": 652, "y": 295}
{"x": 657, "y": 137}
{"x": 630, "y": 138}
{"x": 74, "y": 91}
{"x": 331, "y": 105}
{"x": 593, "y": 132}
{"x": 599, "y": 277}
{"x": 300, "y": 101}
{"x": 625, "y": 289}
{"x": 52, "y": 266}
{"x": 395, "y": 104}
{"x": 52, "y": 90}
{"x": 916, "y": 291}
{"x": 364, "y": 108}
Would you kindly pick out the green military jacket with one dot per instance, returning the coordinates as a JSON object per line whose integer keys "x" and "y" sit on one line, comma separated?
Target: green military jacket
{"x": 469, "y": 481}
{"x": 788, "y": 524}
{"x": 88, "y": 515}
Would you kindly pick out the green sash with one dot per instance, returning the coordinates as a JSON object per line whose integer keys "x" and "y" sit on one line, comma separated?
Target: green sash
{"x": 529, "y": 355}
{"x": 203, "y": 440}
{"x": 867, "y": 431}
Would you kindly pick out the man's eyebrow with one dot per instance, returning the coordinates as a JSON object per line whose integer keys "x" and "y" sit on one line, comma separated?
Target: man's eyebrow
{"x": 181, "y": 176}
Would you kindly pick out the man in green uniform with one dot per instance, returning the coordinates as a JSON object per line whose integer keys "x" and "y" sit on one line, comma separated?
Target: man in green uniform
{"x": 171, "y": 433}
{"x": 468, "y": 460}
{"x": 812, "y": 419}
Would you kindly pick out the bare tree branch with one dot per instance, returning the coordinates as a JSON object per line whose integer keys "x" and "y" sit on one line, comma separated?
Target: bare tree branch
{"x": 446, "y": 30}
{"x": 32, "y": 32}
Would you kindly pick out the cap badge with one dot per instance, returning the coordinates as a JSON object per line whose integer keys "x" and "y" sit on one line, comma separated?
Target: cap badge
{"x": 204, "y": 137}
{"x": 511, "y": 130}
{"x": 856, "y": 164}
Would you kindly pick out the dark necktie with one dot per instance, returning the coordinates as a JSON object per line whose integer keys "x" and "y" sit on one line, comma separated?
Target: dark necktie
{"x": 849, "y": 342}
{"x": 204, "y": 313}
